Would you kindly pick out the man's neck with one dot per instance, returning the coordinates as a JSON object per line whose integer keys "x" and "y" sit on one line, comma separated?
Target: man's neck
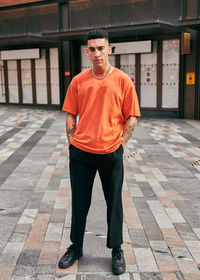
{"x": 102, "y": 70}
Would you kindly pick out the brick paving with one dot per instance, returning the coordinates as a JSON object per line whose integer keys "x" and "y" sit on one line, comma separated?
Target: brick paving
{"x": 160, "y": 196}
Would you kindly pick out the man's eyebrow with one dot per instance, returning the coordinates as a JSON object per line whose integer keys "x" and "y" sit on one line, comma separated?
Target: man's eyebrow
{"x": 91, "y": 48}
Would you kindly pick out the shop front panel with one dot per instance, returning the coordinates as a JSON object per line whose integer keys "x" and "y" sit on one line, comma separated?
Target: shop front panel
{"x": 41, "y": 79}
{"x": 2, "y": 84}
{"x": 13, "y": 82}
{"x": 54, "y": 72}
{"x": 170, "y": 77}
{"x": 148, "y": 89}
{"x": 26, "y": 81}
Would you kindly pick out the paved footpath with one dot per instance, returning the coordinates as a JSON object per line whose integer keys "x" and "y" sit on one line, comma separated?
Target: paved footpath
{"x": 161, "y": 195}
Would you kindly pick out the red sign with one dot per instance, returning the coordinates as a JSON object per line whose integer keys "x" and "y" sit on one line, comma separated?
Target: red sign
{"x": 67, "y": 73}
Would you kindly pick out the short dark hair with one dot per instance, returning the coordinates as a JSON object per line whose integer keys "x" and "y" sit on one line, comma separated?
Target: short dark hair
{"x": 97, "y": 33}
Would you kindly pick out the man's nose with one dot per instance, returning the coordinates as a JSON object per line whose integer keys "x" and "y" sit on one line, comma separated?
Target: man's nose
{"x": 97, "y": 52}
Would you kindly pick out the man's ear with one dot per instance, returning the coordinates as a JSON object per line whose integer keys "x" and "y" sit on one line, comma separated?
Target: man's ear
{"x": 109, "y": 49}
{"x": 87, "y": 51}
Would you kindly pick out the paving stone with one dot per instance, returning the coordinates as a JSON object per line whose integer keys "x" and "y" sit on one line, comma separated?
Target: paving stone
{"x": 169, "y": 276}
{"x": 45, "y": 269}
{"x": 185, "y": 260}
{"x": 157, "y": 187}
{"x": 101, "y": 277}
{"x": 150, "y": 276}
{"x": 6, "y": 272}
{"x": 20, "y": 233}
{"x": 186, "y": 232}
{"x": 152, "y": 231}
{"x": 159, "y": 214}
{"x": 28, "y": 257}
{"x": 54, "y": 232}
{"x": 174, "y": 215}
{"x": 24, "y": 270}
{"x": 44, "y": 277}
{"x": 58, "y": 216}
{"x": 138, "y": 238}
{"x": 136, "y": 276}
{"x": 49, "y": 253}
{"x": 192, "y": 219}
{"x": 194, "y": 248}
{"x": 145, "y": 260}
{"x": 11, "y": 253}
{"x": 28, "y": 216}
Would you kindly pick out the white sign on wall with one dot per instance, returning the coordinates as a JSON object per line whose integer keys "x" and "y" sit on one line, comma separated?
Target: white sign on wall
{"x": 132, "y": 47}
{"x": 20, "y": 54}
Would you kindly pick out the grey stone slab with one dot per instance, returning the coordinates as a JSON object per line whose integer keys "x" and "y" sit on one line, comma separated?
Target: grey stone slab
{"x": 9, "y": 134}
{"x": 14, "y": 201}
{"x": 153, "y": 232}
{"x": 101, "y": 277}
{"x": 192, "y": 219}
{"x": 58, "y": 216}
{"x": 45, "y": 269}
{"x": 21, "y": 183}
{"x": 24, "y": 270}
{"x": 150, "y": 276}
{"x": 20, "y": 233}
{"x": 54, "y": 182}
{"x": 46, "y": 207}
{"x": 47, "y": 123}
{"x": 167, "y": 185}
{"x": 145, "y": 214}
{"x": 35, "y": 200}
{"x": 19, "y": 154}
{"x": 154, "y": 150}
{"x": 164, "y": 160}
{"x": 190, "y": 138}
{"x": 7, "y": 225}
{"x": 148, "y": 193}
{"x": 138, "y": 238}
{"x": 186, "y": 232}
{"x": 44, "y": 277}
{"x": 28, "y": 257}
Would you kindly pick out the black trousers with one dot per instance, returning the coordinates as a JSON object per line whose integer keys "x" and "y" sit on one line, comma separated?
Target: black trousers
{"x": 83, "y": 168}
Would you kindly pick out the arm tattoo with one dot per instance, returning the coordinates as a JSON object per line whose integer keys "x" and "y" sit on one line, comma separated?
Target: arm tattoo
{"x": 127, "y": 133}
{"x": 70, "y": 132}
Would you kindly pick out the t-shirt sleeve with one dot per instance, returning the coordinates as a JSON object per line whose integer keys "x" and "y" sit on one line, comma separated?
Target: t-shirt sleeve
{"x": 130, "y": 104}
{"x": 71, "y": 102}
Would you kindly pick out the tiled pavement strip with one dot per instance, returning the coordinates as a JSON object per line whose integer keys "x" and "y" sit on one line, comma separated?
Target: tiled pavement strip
{"x": 160, "y": 195}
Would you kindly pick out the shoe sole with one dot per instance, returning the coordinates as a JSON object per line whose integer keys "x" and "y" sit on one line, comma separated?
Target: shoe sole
{"x": 69, "y": 264}
{"x": 117, "y": 272}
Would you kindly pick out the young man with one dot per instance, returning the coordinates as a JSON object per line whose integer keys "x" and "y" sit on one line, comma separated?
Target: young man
{"x": 105, "y": 99}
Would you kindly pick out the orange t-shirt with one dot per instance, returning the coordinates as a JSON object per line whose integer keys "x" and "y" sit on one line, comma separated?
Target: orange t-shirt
{"x": 102, "y": 106}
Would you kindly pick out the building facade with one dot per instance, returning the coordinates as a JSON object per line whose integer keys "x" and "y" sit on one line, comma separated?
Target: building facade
{"x": 42, "y": 47}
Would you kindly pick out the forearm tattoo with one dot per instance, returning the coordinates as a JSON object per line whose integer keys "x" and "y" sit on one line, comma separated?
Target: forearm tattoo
{"x": 70, "y": 131}
{"x": 127, "y": 133}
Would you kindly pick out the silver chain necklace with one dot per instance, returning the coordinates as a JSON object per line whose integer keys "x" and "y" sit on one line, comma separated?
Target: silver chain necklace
{"x": 101, "y": 77}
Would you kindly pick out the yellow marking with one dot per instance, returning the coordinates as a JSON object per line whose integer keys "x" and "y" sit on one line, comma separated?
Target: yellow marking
{"x": 195, "y": 162}
{"x": 132, "y": 155}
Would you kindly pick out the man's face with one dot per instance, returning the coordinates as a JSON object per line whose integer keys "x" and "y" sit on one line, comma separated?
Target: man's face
{"x": 98, "y": 51}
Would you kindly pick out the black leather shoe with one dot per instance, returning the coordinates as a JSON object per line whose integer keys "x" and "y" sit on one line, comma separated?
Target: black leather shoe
{"x": 118, "y": 261}
{"x": 70, "y": 256}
